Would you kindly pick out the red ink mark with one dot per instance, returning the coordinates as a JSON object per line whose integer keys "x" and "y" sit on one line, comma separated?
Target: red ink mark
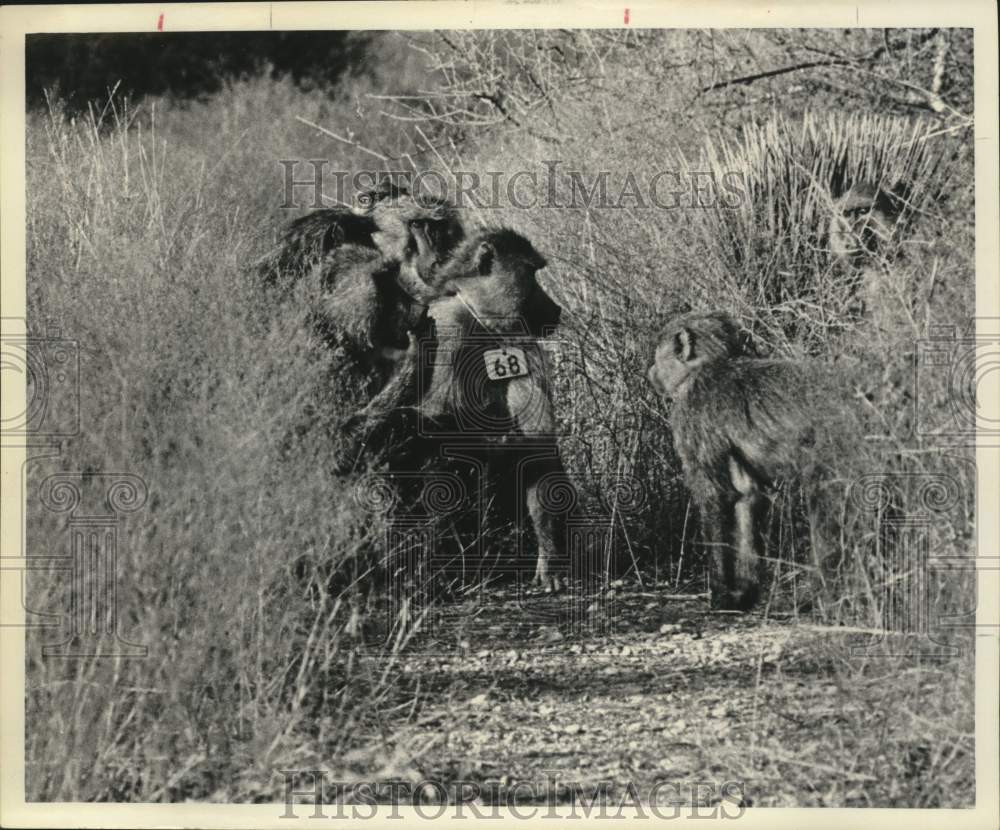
{"x": 626, "y": 17}
{"x": 159, "y": 24}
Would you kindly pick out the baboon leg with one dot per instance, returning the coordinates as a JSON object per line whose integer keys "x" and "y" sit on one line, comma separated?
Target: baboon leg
{"x": 745, "y": 585}
{"x": 717, "y": 515}
{"x": 550, "y": 530}
{"x": 447, "y": 387}
{"x": 824, "y": 517}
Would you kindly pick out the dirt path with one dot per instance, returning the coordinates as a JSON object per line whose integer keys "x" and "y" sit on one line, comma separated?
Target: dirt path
{"x": 666, "y": 701}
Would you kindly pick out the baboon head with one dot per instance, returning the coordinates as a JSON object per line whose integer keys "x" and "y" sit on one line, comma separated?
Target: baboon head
{"x": 863, "y": 221}
{"x": 494, "y": 276}
{"x": 394, "y": 210}
{"x": 690, "y": 342}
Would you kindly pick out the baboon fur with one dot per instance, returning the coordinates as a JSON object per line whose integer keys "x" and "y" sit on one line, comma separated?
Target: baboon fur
{"x": 308, "y": 239}
{"x": 742, "y": 426}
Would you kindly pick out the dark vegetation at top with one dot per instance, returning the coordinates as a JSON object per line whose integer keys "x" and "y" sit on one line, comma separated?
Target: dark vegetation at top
{"x": 184, "y": 65}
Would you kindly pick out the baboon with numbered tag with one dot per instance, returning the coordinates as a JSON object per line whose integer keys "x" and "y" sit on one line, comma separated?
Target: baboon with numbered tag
{"x": 482, "y": 381}
{"x": 742, "y": 426}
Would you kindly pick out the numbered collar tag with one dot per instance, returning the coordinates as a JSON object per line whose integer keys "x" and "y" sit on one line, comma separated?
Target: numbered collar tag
{"x": 502, "y": 364}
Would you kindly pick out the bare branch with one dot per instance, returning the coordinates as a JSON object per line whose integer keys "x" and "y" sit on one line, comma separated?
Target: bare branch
{"x": 772, "y": 73}
{"x": 347, "y": 141}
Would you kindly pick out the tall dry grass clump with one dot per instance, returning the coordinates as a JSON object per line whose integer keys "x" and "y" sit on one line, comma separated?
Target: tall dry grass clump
{"x": 772, "y": 238}
{"x": 241, "y": 575}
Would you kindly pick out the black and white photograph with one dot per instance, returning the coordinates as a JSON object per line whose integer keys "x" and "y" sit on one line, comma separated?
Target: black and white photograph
{"x": 499, "y": 410}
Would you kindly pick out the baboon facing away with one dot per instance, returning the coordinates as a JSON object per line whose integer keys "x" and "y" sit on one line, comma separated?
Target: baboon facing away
{"x": 483, "y": 387}
{"x": 742, "y": 425}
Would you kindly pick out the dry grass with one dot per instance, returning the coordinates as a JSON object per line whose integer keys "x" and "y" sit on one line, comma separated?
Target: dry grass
{"x": 199, "y": 383}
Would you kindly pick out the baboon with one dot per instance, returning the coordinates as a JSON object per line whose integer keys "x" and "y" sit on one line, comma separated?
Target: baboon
{"x": 488, "y": 288}
{"x": 863, "y": 231}
{"x": 364, "y": 309}
{"x": 488, "y": 384}
{"x": 364, "y": 262}
{"x": 373, "y": 297}
{"x": 866, "y": 231}
{"x": 307, "y": 240}
{"x": 742, "y": 425}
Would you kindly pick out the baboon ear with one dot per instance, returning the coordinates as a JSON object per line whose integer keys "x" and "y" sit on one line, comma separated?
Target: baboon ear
{"x": 684, "y": 345}
{"x": 484, "y": 258}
